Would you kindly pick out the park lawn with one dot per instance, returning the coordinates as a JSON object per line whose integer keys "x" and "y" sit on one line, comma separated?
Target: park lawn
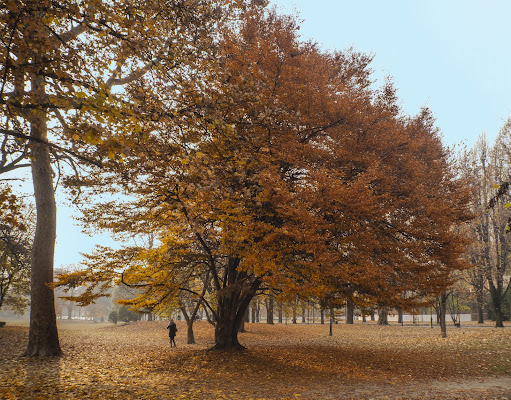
{"x": 281, "y": 362}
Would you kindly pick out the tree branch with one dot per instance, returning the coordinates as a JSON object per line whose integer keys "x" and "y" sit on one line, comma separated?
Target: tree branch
{"x": 52, "y": 145}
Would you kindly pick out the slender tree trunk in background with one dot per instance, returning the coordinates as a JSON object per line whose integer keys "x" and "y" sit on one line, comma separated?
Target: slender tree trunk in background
{"x": 332, "y": 318}
{"x": 350, "y": 311}
{"x": 280, "y": 313}
{"x": 253, "y": 312}
{"x": 43, "y": 339}
{"x": 399, "y": 316}
{"x": 294, "y": 314}
{"x": 322, "y": 316}
{"x": 443, "y": 308}
{"x": 371, "y": 312}
{"x": 258, "y": 311}
{"x": 480, "y": 308}
{"x": 383, "y": 316}
{"x": 303, "y": 314}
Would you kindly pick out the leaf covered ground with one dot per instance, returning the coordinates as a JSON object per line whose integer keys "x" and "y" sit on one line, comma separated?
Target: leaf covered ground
{"x": 282, "y": 362}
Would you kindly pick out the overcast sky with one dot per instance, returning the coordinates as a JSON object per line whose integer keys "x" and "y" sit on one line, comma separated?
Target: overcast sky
{"x": 450, "y": 55}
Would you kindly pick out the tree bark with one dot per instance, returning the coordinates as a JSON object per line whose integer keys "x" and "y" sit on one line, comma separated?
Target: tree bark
{"x": 350, "y": 310}
{"x": 383, "y": 316}
{"x": 399, "y": 316}
{"x": 269, "y": 310}
{"x": 233, "y": 301}
{"x": 496, "y": 298}
{"x": 43, "y": 339}
{"x": 480, "y": 309}
{"x": 443, "y": 307}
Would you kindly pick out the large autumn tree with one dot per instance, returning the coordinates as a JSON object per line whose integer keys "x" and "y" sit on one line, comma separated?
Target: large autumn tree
{"x": 290, "y": 172}
{"x": 66, "y": 67}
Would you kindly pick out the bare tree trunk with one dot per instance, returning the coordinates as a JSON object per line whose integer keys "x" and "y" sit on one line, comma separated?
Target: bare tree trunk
{"x": 253, "y": 312}
{"x": 443, "y": 307}
{"x": 496, "y": 298}
{"x": 43, "y": 339}
{"x": 383, "y": 316}
{"x": 322, "y": 316}
{"x": 399, "y": 316}
{"x": 480, "y": 309}
{"x": 350, "y": 310}
{"x": 280, "y": 313}
{"x": 269, "y": 310}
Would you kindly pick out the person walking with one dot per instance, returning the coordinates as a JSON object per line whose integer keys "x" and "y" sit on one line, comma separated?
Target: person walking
{"x": 172, "y": 332}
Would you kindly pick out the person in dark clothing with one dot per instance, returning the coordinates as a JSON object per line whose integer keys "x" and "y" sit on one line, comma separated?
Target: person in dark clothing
{"x": 172, "y": 332}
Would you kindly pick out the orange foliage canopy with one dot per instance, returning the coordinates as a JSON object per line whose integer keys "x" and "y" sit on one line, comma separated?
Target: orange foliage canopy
{"x": 286, "y": 171}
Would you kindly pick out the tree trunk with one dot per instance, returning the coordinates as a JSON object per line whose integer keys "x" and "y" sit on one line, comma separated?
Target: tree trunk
{"x": 269, "y": 310}
{"x": 443, "y": 307}
{"x": 383, "y": 316}
{"x": 245, "y": 319}
{"x": 322, "y": 316}
{"x": 280, "y": 313}
{"x": 233, "y": 301}
{"x": 350, "y": 310}
{"x": 230, "y": 313}
{"x": 480, "y": 312}
{"x": 496, "y": 298}
{"x": 190, "y": 337}
{"x": 399, "y": 316}
{"x": 253, "y": 313}
{"x": 43, "y": 339}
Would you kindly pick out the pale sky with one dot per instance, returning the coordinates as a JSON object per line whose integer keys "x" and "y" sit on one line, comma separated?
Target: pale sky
{"x": 450, "y": 55}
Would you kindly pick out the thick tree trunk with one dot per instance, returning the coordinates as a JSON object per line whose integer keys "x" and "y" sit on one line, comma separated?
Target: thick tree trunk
{"x": 383, "y": 316}
{"x": 43, "y": 339}
{"x": 350, "y": 310}
{"x": 496, "y": 298}
{"x": 269, "y": 310}
{"x": 233, "y": 301}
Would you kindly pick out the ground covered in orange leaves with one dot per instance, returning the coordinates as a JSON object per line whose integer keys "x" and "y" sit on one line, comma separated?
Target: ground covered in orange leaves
{"x": 361, "y": 361}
